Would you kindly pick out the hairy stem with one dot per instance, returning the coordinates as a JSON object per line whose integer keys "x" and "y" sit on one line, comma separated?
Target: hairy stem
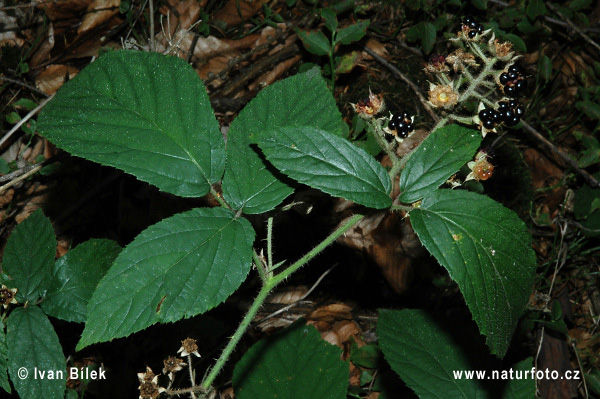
{"x": 268, "y": 286}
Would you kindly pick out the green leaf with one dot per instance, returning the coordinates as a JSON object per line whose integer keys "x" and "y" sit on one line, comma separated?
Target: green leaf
{"x": 486, "y": 249}
{"x": 329, "y": 163}
{"x": 251, "y": 183}
{"x": 535, "y": 8}
{"x": 425, "y": 32}
{"x": 29, "y": 255}
{"x": 352, "y": 33}
{"x": 33, "y": 348}
{"x": 545, "y": 68}
{"x": 429, "y": 355}
{"x": 590, "y": 108}
{"x": 178, "y": 268}
{"x": 4, "y": 384}
{"x": 293, "y": 363}
{"x": 366, "y": 356}
{"x": 331, "y": 21}
{"x": 25, "y": 103}
{"x": 13, "y": 117}
{"x": 314, "y": 41}
{"x": 75, "y": 277}
{"x": 436, "y": 159}
{"x": 480, "y": 4}
{"x": 517, "y": 41}
{"x": 142, "y": 112}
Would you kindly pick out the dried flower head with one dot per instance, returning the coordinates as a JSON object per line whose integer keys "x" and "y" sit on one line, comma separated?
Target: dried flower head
{"x": 460, "y": 58}
{"x": 442, "y": 96}
{"x": 188, "y": 347}
{"x": 437, "y": 64}
{"x": 172, "y": 365}
{"x": 370, "y": 106}
{"x": 149, "y": 388}
{"x": 7, "y": 296}
{"x": 481, "y": 168}
{"x": 503, "y": 50}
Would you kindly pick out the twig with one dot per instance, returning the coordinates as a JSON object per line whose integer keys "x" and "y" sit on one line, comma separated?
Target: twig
{"x": 573, "y": 26}
{"x": 151, "y": 11}
{"x": 588, "y": 177}
{"x": 31, "y": 170}
{"x": 25, "y": 85}
{"x": 25, "y": 119}
{"x": 406, "y": 80}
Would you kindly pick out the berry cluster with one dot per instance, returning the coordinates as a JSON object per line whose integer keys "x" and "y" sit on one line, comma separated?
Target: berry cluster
{"x": 471, "y": 27}
{"x": 401, "y": 124}
{"x": 508, "y": 112}
{"x": 513, "y": 82}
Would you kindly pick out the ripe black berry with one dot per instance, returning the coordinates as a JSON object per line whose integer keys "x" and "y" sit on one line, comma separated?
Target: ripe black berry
{"x": 401, "y": 124}
{"x": 472, "y": 34}
{"x": 504, "y": 78}
{"x": 519, "y": 110}
{"x": 489, "y": 124}
{"x": 513, "y": 121}
{"x": 479, "y": 28}
{"x": 510, "y": 90}
{"x": 514, "y": 69}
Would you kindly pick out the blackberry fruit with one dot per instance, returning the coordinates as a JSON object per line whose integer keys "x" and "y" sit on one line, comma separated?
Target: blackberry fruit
{"x": 510, "y": 90}
{"x": 504, "y": 78}
{"x": 489, "y": 117}
{"x": 513, "y": 121}
{"x": 510, "y": 112}
{"x": 519, "y": 110}
{"x": 515, "y": 69}
{"x": 401, "y": 123}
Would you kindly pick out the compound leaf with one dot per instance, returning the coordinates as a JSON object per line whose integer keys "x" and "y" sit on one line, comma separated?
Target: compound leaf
{"x": 29, "y": 255}
{"x": 33, "y": 349}
{"x": 329, "y": 163}
{"x": 486, "y": 249}
{"x": 75, "y": 277}
{"x": 293, "y": 363}
{"x": 142, "y": 112}
{"x": 250, "y": 183}
{"x": 436, "y": 159}
{"x": 180, "y": 267}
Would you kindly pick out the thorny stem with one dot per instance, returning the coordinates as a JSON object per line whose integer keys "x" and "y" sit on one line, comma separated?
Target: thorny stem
{"x": 267, "y": 287}
{"x": 270, "y": 245}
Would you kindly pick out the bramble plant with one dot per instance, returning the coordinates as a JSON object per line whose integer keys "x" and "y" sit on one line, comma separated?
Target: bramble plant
{"x": 149, "y": 115}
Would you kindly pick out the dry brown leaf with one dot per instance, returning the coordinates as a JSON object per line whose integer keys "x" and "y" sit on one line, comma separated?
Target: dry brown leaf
{"x": 377, "y": 47}
{"x": 98, "y": 12}
{"x": 236, "y": 11}
{"x": 275, "y": 73}
{"x": 331, "y": 313}
{"x": 62, "y": 9}
{"x": 53, "y": 77}
{"x": 346, "y": 329}
{"x": 288, "y": 295}
{"x": 332, "y": 338}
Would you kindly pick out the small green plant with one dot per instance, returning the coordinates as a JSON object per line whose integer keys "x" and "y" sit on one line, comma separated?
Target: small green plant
{"x": 150, "y": 116}
{"x": 317, "y": 43}
{"x": 30, "y": 349}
